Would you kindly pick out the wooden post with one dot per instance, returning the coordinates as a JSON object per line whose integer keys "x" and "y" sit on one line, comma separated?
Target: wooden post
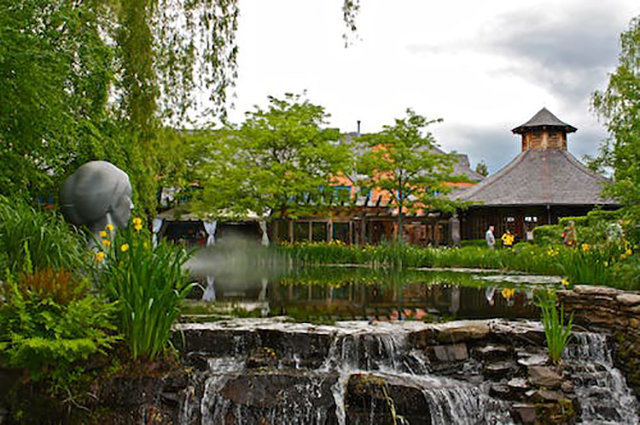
{"x": 350, "y": 232}
{"x": 291, "y": 238}
{"x": 330, "y": 230}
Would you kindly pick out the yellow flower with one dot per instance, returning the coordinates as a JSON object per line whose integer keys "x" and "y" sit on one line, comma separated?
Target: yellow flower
{"x": 585, "y": 247}
{"x": 565, "y": 282}
{"x": 628, "y": 252}
{"x": 606, "y": 264}
{"x": 124, "y": 248}
{"x": 109, "y": 227}
{"x": 106, "y": 242}
{"x": 137, "y": 220}
{"x": 99, "y": 256}
{"x": 103, "y": 234}
{"x": 508, "y": 293}
{"x": 137, "y": 226}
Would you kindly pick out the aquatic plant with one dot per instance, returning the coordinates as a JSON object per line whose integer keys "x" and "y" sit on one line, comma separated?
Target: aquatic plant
{"x": 587, "y": 264}
{"x": 148, "y": 283}
{"x": 556, "y": 332}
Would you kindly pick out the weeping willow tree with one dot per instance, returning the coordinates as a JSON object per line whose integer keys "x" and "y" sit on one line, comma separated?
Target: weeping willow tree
{"x": 91, "y": 79}
{"x": 175, "y": 58}
{"x": 171, "y": 52}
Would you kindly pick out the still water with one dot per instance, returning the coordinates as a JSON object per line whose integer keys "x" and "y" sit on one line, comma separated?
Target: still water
{"x": 360, "y": 293}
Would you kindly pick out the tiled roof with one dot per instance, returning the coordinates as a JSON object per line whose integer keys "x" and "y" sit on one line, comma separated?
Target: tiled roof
{"x": 544, "y": 118}
{"x": 539, "y": 177}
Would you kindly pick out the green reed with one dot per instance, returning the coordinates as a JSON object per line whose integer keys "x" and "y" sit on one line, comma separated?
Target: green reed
{"x": 149, "y": 284}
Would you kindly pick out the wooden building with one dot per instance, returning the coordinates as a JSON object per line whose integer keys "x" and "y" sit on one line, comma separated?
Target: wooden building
{"x": 356, "y": 219}
{"x": 543, "y": 183}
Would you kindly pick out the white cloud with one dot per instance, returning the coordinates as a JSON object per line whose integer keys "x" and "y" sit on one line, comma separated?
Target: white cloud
{"x": 485, "y": 67}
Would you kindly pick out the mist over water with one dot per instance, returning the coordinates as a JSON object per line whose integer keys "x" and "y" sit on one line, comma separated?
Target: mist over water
{"x": 237, "y": 266}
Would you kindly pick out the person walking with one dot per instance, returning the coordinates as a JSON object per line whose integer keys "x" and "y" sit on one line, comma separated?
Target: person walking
{"x": 491, "y": 240}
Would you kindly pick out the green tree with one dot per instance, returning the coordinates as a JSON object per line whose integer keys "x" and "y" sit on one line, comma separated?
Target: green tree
{"x": 93, "y": 80}
{"x": 618, "y": 106}
{"x": 482, "y": 169}
{"x": 274, "y": 162}
{"x": 55, "y": 72}
{"x": 405, "y": 164}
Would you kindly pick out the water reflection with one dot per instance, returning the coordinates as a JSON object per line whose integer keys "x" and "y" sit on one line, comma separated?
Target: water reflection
{"x": 360, "y": 293}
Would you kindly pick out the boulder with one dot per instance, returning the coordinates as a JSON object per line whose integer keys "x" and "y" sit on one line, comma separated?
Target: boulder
{"x": 524, "y": 413}
{"x": 369, "y": 396}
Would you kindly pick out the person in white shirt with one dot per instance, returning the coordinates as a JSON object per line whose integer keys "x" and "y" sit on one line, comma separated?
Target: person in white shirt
{"x": 491, "y": 240}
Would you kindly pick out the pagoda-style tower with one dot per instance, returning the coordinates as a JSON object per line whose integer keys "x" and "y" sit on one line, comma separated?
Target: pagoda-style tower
{"x": 544, "y": 131}
{"x": 543, "y": 183}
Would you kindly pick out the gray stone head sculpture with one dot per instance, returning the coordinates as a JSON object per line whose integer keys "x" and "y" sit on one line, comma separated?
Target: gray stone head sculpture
{"x": 97, "y": 194}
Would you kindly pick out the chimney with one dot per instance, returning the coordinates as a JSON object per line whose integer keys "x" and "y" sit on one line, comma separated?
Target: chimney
{"x": 358, "y": 126}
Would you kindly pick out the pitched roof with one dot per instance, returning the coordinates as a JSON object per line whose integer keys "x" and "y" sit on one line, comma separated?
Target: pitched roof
{"x": 539, "y": 177}
{"x": 462, "y": 168}
{"x": 544, "y": 118}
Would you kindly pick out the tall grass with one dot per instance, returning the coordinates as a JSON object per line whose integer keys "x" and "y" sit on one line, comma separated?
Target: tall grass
{"x": 556, "y": 332}
{"x": 149, "y": 284}
{"x": 41, "y": 236}
{"x": 581, "y": 265}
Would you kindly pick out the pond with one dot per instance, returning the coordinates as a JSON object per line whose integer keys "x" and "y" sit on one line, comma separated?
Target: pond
{"x": 331, "y": 293}
{"x": 363, "y": 348}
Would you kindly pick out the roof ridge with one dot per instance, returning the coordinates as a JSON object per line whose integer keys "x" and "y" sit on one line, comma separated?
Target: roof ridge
{"x": 580, "y": 166}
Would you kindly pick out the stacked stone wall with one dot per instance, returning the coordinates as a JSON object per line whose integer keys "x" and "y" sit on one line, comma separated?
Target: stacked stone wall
{"x": 615, "y": 310}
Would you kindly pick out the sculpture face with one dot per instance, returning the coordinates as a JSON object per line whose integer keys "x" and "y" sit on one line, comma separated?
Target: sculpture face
{"x": 97, "y": 194}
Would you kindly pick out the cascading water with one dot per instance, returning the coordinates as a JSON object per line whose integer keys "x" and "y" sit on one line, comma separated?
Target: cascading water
{"x": 604, "y": 395}
{"x": 354, "y": 372}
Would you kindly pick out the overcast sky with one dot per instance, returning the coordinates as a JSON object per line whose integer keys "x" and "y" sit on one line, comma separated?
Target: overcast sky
{"x": 483, "y": 66}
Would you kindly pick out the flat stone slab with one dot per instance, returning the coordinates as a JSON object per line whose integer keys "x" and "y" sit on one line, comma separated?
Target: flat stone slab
{"x": 543, "y": 376}
{"x": 628, "y": 299}
{"x": 596, "y": 290}
{"x": 530, "y": 279}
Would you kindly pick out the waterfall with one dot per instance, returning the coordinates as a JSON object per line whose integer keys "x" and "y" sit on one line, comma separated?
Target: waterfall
{"x": 604, "y": 395}
{"x": 359, "y": 373}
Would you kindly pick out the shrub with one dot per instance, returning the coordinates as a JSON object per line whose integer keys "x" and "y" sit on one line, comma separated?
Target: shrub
{"x": 547, "y": 234}
{"x": 49, "y": 322}
{"x": 41, "y": 237}
{"x": 577, "y": 221}
{"x": 473, "y": 242}
{"x": 148, "y": 283}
